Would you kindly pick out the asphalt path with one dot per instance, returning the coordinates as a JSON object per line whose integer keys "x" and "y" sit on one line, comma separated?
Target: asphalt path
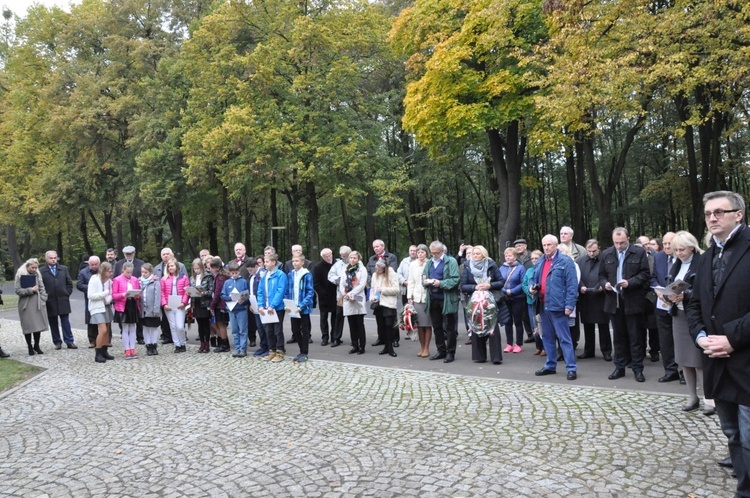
{"x": 520, "y": 367}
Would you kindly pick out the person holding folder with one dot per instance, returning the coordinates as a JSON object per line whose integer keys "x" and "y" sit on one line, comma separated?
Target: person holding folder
{"x": 299, "y": 303}
{"x": 32, "y": 297}
{"x": 174, "y": 300}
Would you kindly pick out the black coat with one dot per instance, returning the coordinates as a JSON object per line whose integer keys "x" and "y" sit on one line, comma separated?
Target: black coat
{"x": 59, "y": 289}
{"x": 137, "y": 263}
{"x": 325, "y": 290}
{"x": 725, "y": 310}
{"x": 82, "y": 284}
{"x": 634, "y": 270}
{"x": 590, "y": 306}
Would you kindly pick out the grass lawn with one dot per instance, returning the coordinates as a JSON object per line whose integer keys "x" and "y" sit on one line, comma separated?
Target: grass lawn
{"x": 13, "y": 373}
{"x": 10, "y": 302}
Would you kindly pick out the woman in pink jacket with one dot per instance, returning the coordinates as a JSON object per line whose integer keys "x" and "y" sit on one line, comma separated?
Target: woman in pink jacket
{"x": 127, "y": 308}
{"x": 174, "y": 300}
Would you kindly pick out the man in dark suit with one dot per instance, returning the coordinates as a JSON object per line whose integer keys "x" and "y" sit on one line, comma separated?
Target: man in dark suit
{"x": 247, "y": 269}
{"x": 719, "y": 319}
{"x": 59, "y": 286}
{"x": 663, "y": 261}
{"x": 591, "y": 304}
{"x": 326, "y": 296}
{"x": 624, "y": 275}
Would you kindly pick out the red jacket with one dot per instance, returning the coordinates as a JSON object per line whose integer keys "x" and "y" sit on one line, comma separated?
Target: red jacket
{"x": 166, "y": 289}
{"x": 120, "y": 287}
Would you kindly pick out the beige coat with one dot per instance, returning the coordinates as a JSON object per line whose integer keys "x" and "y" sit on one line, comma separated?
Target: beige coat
{"x": 388, "y": 286}
{"x": 415, "y": 288}
{"x": 32, "y": 309}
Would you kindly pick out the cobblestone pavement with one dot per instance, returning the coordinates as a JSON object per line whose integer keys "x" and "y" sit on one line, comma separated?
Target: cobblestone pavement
{"x": 213, "y": 425}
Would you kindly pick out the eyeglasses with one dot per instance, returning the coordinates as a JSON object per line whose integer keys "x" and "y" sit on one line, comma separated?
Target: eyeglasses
{"x": 719, "y": 213}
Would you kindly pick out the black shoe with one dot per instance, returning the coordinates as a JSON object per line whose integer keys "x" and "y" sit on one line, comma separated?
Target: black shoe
{"x": 58, "y": 346}
{"x": 106, "y": 354}
{"x": 607, "y": 357}
{"x": 692, "y": 406}
{"x": 377, "y": 343}
{"x": 726, "y": 462}
{"x": 324, "y": 343}
{"x": 292, "y": 341}
{"x": 31, "y": 351}
{"x": 354, "y": 350}
{"x": 438, "y": 356}
{"x": 393, "y": 355}
{"x": 252, "y": 344}
{"x": 709, "y": 410}
{"x": 655, "y": 357}
{"x": 336, "y": 344}
{"x": 616, "y": 374}
{"x": 99, "y": 358}
{"x": 72, "y": 346}
{"x": 639, "y": 377}
{"x": 212, "y": 340}
{"x": 544, "y": 371}
{"x": 3, "y": 354}
{"x": 560, "y": 357}
{"x": 140, "y": 341}
{"x": 38, "y": 349}
{"x": 529, "y": 340}
{"x": 167, "y": 341}
{"x": 361, "y": 351}
{"x": 309, "y": 341}
{"x": 670, "y": 377}
{"x": 572, "y": 376}
{"x": 385, "y": 351}
{"x": 395, "y": 344}
{"x": 584, "y": 356}
{"x": 449, "y": 358}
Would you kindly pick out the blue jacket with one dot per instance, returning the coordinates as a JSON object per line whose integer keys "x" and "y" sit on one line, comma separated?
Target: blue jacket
{"x": 241, "y": 285}
{"x": 274, "y": 298}
{"x": 306, "y": 291}
{"x": 515, "y": 284}
{"x": 562, "y": 283}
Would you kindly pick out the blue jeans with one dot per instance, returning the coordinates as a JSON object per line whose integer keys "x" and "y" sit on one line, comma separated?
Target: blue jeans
{"x": 238, "y": 323}
{"x": 261, "y": 332}
{"x": 735, "y": 423}
{"x": 555, "y": 327}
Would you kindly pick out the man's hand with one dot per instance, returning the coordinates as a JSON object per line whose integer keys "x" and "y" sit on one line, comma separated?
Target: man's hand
{"x": 716, "y": 346}
{"x": 582, "y": 290}
{"x": 623, "y": 283}
{"x": 436, "y": 283}
{"x": 568, "y": 312}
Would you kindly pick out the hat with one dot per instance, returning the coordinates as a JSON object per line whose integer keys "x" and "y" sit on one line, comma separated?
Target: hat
{"x": 519, "y": 241}
{"x": 128, "y": 250}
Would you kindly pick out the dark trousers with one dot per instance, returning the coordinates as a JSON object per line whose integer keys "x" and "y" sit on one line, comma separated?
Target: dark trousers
{"x": 515, "y": 307}
{"x": 261, "y": 332}
{"x": 67, "y": 333}
{"x": 386, "y": 332}
{"x": 444, "y": 328}
{"x": 92, "y": 330}
{"x": 629, "y": 346}
{"x": 252, "y": 329}
{"x": 666, "y": 341}
{"x": 327, "y": 317}
{"x": 301, "y": 332}
{"x": 575, "y": 331}
{"x": 479, "y": 347}
{"x": 735, "y": 423}
{"x": 589, "y": 335}
{"x": 357, "y": 331}
{"x": 204, "y": 328}
{"x": 337, "y": 331}
{"x": 275, "y": 333}
{"x": 527, "y": 322}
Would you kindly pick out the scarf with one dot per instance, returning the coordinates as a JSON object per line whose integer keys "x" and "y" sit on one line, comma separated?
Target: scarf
{"x": 479, "y": 268}
{"x": 351, "y": 277}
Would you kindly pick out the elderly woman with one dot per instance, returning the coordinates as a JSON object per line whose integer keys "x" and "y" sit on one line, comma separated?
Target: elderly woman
{"x": 512, "y": 274}
{"x": 32, "y": 309}
{"x": 482, "y": 273}
{"x": 416, "y": 294}
{"x": 686, "y": 355}
{"x": 384, "y": 292}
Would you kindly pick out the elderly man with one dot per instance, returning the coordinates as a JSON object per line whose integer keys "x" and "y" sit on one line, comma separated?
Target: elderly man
{"x": 403, "y": 271}
{"x": 555, "y": 287}
{"x": 442, "y": 278}
{"x": 719, "y": 318}
{"x": 59, "y": 286}
{"x": 326, "y": 292}
{"x": 663, "y": 262}
{"x": 566, "y": 239}
{"x": 82, "y": 284}
{"x": 129, "y": 257}
{"x": 625, "y": 277}
{"x": 523, "y": 255}
{"x": 296, "y": 251}
{"x": 335, "y": 274}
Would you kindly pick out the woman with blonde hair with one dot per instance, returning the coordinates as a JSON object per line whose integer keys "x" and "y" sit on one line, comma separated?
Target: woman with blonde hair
{"x": 32, "y": 310}
{"x": 100, "y": 307}
{"x": 416, "y": 295}
{"x": 690, "y": 358}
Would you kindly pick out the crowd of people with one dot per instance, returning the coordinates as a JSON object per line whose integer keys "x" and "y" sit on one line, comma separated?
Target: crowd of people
{"x": 664, "y": 295}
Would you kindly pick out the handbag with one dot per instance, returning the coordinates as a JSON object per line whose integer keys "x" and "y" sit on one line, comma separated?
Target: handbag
{"x": 374, "y": 305}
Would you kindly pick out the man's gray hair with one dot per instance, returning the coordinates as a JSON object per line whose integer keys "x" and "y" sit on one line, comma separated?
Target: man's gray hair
{"x": 345, "y": 250}
{"x": 567, "y": 229}
{"x": 436, "y": 244}
{"x": 620, "y": 230}
{"x": 551, "y": 237}
{"x": 734, "y": 198}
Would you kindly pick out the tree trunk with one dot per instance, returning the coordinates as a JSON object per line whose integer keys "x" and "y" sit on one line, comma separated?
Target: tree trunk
{"x": 507, "y": 158}
{"x": 370, "y": 208}
{"x": 313, "y": 231}
{"x": 225, "y": 221}
{"x": 213, "y": 239}
{"x": 274, "y": 220}
{"x": 174, "y": 219}
{"x": 15, "y": 256}
{"x": 85, "y": 234}
{"x": 348, "y": 235}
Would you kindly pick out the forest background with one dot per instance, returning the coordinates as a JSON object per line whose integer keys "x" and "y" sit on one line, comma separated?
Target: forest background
{"x": 191, "y": 123}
